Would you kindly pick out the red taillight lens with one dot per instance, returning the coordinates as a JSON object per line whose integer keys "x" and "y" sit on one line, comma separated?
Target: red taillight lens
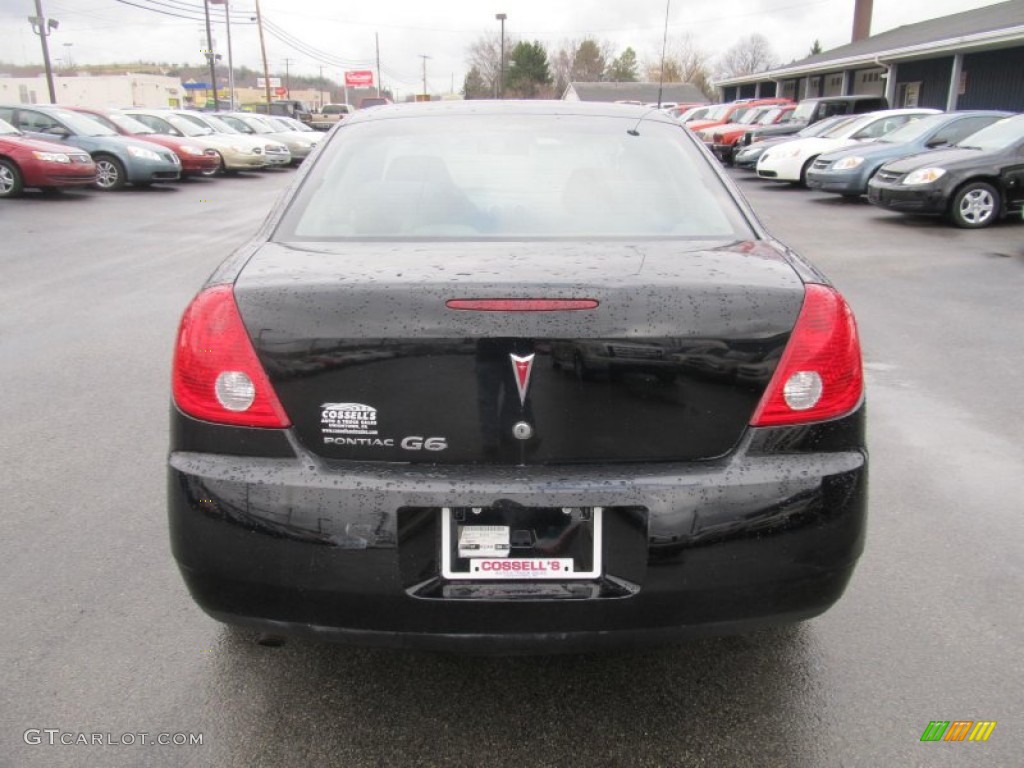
{"x": 217, "y": 376}
{"x": 819, "y": 375}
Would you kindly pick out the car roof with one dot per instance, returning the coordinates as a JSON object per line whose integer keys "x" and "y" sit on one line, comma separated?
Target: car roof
{"x": 538, "y": 107}
{"x": 858, "y": 97}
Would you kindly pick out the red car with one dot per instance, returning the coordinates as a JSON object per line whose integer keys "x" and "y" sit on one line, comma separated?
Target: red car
{"x": 724, "y": 113}
{"x": 26, "y": 162}
{"x": 194, "y": 158}
{"x": 723, "y": 139}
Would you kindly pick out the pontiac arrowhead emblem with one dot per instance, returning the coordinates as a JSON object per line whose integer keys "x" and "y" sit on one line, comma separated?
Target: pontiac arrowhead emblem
{"x": 522, "y": 367}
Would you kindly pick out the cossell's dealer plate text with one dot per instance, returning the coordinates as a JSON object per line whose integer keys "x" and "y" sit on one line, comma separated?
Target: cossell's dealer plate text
{"x": 512, "y": 542}
{"x": 520, "y": 568}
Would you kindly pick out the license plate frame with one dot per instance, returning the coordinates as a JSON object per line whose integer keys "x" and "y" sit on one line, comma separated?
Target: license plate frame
{"x": 578, "y": 548}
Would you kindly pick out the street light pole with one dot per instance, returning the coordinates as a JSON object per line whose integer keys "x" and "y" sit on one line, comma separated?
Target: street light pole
{"x": 42, "y": 26}
{"x": 501, "y": 77}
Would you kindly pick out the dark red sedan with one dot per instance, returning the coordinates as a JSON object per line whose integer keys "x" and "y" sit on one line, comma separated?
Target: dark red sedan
{"x": 26, "y": 162}
{"x": 194, "y": 158}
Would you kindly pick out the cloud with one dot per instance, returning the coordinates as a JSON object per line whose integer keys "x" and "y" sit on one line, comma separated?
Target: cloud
{"x": 102, "y": 31}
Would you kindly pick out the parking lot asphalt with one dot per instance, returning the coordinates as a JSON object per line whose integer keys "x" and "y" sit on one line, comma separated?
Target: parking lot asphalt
{"x": 100, "y": 636}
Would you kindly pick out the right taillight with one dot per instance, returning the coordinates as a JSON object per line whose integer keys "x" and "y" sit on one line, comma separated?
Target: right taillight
{"x": 819, "y": 375}
{"x": 216, "y": 375}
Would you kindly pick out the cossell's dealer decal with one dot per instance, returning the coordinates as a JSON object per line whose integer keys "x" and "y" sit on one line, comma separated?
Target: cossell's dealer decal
{"x": 348, "y": 419}
{"x": 355, "y": 424}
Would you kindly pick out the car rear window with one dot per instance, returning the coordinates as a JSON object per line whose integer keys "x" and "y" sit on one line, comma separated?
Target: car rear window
{"x": 485, "y": 176}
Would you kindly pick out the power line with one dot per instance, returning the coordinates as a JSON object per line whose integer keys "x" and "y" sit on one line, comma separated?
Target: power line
{"x": 172, "y": 13}
{"x": 184, "y": 7}
{"x": 190, "y": 12}
{"x": 322, "y": 57}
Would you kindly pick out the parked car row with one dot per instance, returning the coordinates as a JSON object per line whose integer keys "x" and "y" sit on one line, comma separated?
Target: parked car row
{"x": 967, "y": 166}
{"x": 51, "y": 147}
{"x": 727, "y": 129}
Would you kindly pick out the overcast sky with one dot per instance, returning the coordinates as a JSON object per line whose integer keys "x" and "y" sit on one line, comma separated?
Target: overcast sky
{"x": 104, "y": 31}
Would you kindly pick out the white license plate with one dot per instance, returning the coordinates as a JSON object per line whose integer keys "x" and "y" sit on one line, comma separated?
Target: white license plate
{"x": 521, "y": 545}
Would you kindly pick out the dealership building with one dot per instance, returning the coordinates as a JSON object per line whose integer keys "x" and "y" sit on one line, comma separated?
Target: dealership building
{"x": 970, "y": 60}
{"x": 130, "y": 90}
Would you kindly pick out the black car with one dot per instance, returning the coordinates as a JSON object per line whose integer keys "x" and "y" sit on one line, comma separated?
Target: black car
{"x": 373, "y": 439}
{"x": 974, "y": 183}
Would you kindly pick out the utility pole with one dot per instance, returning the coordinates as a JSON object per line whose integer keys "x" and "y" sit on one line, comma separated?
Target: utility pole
{"x": 321, "y": 84}
{"x": 376, "y": 40}
{"x": 288, "y": 77}
{"x": 263, "y": 52}
{"x": 425, "y": 57}
{"x": 231, "y": 59}
{"x": 501, "y": 78}
{"x": 209, "y": 52}
{"x": 42, "y": 26}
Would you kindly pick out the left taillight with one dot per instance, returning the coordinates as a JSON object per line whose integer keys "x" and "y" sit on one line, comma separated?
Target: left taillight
{"x": 216, "y": 375}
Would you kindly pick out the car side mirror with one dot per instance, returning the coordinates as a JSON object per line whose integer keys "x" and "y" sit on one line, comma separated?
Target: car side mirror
{"x": 937, "y": 143}
{"x": 58, "y": 130}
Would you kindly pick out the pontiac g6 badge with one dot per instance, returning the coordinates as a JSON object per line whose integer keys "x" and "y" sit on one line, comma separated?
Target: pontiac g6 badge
{"x": 522, "y": 366}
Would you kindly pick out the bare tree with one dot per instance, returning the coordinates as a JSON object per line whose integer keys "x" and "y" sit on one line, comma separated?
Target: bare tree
{"x": 561, "y": 64}
{"x": 685, "y": 62}
{"x": 485, "y": 57}
{"x": 751, "y": 54}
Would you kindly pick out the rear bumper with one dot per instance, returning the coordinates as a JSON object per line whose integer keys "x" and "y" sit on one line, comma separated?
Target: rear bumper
{"x": 293, "y": 546}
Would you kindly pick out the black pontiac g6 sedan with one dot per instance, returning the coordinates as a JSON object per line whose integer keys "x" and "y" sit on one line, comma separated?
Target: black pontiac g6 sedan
{"x": 509, "y": 376}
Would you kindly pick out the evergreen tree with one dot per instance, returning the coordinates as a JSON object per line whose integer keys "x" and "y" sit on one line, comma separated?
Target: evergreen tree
{"x": 623, "y": 68}
{"x": 588, "y": 63}
{"x": 528, "y": 75}
{"x": 474, "y": 86}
